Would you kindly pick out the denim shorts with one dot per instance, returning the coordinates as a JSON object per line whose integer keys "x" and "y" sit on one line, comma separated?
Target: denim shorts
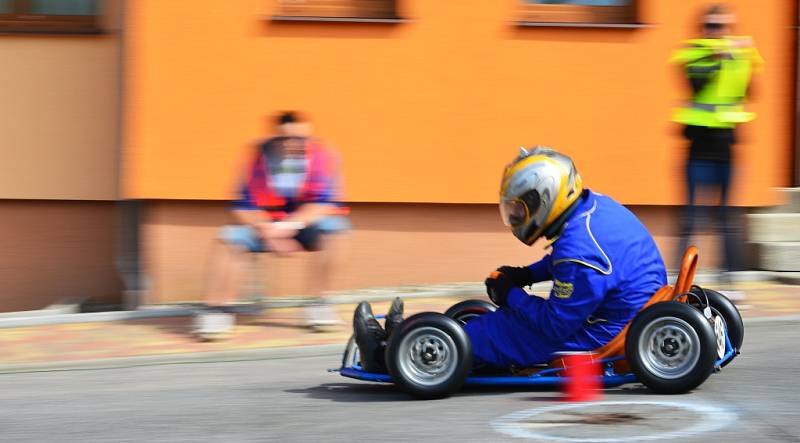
{"x": 309, "y": 237}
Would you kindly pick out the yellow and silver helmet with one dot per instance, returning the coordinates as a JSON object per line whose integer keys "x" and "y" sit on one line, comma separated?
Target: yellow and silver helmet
{"x": 538, "y": 187}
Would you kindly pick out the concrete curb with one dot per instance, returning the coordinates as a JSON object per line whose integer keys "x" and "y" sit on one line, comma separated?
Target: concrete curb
{"x": 50, "y": 317}
{"x": 58, "y": 309}
{"x": 234, "y": 355}
{"x": 787, "y": 278}
{"x": 37, "y": 318}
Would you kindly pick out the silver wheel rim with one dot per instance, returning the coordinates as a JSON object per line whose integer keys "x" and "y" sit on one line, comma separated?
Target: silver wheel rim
{"x": 719, "y": 331}
{"x": 669, "y": 347}
{"x": 427, "y": 356}
{"x": 351, "y": 355}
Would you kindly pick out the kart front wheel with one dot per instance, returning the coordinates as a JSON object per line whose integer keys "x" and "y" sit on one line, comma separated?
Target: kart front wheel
{"x": 429, "y": 356}
{"x": 467, "y": 310}
{"x": 671, "y": 347}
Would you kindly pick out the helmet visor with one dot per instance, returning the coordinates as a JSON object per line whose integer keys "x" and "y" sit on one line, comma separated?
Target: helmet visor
{"x": 513, "y": 212}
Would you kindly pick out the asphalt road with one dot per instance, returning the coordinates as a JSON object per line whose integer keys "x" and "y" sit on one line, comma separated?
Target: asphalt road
{"x": 295, "y": 399}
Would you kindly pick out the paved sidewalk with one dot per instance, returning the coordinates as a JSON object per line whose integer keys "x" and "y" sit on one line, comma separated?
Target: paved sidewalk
{"x": 276, "y": 328}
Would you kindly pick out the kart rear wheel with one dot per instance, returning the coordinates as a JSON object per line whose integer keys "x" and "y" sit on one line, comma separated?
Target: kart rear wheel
{"x": 722, "y": 306}
{"x": 671, "y": 347}
{"x": 429, "y": 356}
{"x": 467, "y": 310}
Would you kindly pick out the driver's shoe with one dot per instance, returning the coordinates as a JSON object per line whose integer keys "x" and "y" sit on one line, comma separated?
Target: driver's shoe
{"x": 370, "y": 338}
{"x": 395, "y": 316}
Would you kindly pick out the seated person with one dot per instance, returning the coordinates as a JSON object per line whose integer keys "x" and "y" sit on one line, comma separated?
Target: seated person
{"x": 287, "y": 202}
{"x": 604, "y": 266}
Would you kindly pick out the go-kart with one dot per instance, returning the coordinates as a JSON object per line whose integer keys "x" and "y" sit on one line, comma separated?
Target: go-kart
{"x": 682, "y": 335}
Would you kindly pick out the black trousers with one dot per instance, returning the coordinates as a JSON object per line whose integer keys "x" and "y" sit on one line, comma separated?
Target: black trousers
{"x": 709, "y": 166}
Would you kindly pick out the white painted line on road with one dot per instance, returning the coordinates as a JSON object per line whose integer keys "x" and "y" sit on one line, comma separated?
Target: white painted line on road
{"x": 712, "y": 418}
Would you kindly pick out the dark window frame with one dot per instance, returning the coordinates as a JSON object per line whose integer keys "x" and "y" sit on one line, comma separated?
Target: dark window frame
{"x": 23, "y": 21}
{"x": 363, "y": 11}
{"x": 532, "y": 13}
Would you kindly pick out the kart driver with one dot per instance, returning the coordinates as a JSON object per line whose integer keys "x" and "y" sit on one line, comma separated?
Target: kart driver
{"x": 603, "y": 263}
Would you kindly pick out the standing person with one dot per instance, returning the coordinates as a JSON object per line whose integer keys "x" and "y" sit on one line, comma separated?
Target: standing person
{"x": 286, "y": 203}
{"x": 718, "y": 68}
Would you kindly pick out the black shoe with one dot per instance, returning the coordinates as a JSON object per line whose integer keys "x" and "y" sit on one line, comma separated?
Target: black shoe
{"x": 395, "y": 316}
{"x": 370, "y": 338}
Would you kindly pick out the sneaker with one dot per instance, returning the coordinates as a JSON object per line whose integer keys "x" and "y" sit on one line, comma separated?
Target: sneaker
{"x": 370, "y": 338}
{"x": 213, "y": 324}
{"x": 321, "y": 315}
{"x": 395, "y": 316}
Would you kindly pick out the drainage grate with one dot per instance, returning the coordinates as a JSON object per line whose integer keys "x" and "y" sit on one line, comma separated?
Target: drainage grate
{"x": 599, "y": 418}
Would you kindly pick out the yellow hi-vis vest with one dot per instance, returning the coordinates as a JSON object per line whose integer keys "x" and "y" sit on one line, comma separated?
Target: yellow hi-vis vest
{"x": 728, "y": 64}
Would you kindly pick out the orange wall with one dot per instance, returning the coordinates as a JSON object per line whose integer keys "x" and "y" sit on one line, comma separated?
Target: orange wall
{"x": 429, "y": 111}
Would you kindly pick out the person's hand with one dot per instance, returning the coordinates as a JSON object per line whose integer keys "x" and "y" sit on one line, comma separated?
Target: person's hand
{"x": 278, "y": 238}
{"x": 520, "y": 276}
{"x": 498, "y": 286}
{"x": 263, "y": 229}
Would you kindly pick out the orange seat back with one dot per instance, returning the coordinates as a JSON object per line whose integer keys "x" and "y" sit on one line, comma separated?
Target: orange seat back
{"x": 686, "y": 274}
{"x": 683, "y": 284}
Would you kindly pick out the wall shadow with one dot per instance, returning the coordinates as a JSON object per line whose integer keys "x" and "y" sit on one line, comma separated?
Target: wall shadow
{"x": 572, "y": 35}
{"x": 347, "y": 392}
{"x": 340, "y": 30}
{"x": 352, "y": 392}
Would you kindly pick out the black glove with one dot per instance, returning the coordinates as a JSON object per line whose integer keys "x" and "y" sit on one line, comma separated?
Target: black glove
{"x": 498, "y": 287}
{"x": 520, "y": 276}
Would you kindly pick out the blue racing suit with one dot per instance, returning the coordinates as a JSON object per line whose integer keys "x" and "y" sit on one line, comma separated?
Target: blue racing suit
{"x": 604, "y": 266}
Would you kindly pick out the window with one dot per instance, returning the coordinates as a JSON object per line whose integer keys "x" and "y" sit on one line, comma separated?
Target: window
{"x": 49, "y": 16}
{"x": 598, "y": 12}
{"x": 336, "y": 10}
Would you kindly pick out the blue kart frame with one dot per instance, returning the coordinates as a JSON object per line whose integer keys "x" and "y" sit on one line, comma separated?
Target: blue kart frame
{"x": 710, "y": 303}
{"x": 545, "y": 377}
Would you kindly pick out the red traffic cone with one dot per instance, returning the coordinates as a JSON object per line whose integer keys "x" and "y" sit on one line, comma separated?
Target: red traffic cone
{"x": 583, "y": 378}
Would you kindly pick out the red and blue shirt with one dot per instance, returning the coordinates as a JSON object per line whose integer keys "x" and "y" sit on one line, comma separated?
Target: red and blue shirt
{"x": 317, "y": 184}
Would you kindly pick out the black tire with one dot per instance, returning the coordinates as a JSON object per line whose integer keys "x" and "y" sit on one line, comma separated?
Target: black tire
{"x": 727, "y": 310}
{"x": 467, "y": 310}
{"x": 671, "y": 347}
{"x": 429, "y": 355}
